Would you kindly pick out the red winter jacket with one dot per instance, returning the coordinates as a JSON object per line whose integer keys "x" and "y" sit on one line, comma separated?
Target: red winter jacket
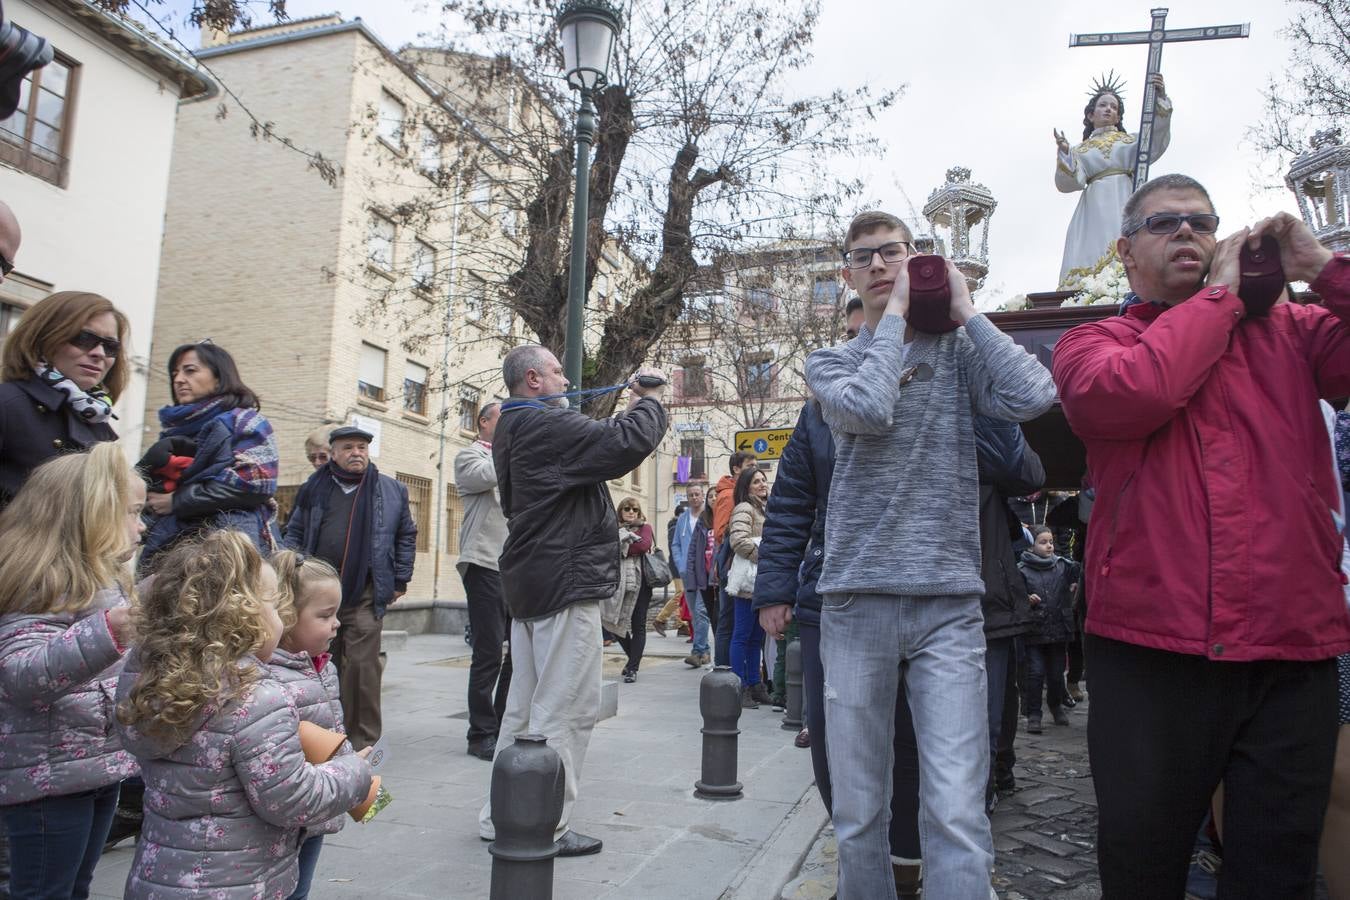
{"x": 1212, "y": 532}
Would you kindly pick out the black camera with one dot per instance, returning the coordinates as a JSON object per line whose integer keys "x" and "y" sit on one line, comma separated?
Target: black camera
{"x": 21, "y": 52}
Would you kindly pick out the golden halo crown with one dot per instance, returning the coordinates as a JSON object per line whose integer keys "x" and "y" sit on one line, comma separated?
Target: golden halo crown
{"x": 1108, "y": 82}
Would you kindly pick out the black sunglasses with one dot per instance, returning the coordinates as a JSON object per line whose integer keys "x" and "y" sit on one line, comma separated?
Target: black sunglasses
{"x": 5, "y": 265}
{"x": 1168, "y": 223}
{"x": 86, "y": 340}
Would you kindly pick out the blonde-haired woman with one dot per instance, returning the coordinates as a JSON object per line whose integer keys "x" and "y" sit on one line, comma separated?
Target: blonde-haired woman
{"x": 627, "y": 617}
{"x": 63, "y": 367}
{"x": 216, "y": 736}
{"x": 64, "y": 625}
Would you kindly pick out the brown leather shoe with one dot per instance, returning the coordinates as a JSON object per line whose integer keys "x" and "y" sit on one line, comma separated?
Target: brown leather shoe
{"x": 802, "y": 740}
{"x": 659, "y": 627}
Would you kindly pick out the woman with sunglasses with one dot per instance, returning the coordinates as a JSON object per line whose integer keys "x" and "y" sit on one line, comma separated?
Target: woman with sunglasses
{"x": 62, "y": 370}
{"x": 222, "y": 456}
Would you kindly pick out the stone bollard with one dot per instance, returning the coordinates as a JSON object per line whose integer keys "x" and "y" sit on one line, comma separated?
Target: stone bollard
{"x": 719, "y": 700}
{"x": 527, "y": 801}
{"x": 792, "y": 710}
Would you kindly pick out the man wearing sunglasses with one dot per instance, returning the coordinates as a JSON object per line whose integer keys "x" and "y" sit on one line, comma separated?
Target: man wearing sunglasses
{"x": 1213, "y": 553}
{"x": 10, "y": 235}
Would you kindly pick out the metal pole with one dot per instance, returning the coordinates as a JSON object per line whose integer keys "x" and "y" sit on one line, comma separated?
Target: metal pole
{"x": 576, "y": 288}
{"x": 439, "y": 503}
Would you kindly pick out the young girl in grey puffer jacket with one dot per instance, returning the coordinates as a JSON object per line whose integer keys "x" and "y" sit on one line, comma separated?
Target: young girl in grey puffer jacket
{"x": 227, "y": 788}
{"x": 64, "y": 542}
{"x": 309, "y": 593}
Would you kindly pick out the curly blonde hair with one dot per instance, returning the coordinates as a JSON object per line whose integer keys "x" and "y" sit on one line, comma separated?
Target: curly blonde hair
{"x": 296, "y": 572}
{"x": 201, "y": 617}
{"x": 62, "y": 539}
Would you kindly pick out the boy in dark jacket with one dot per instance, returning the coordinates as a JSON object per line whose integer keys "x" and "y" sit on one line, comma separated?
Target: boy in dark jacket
{"x": 1052, "y": 585}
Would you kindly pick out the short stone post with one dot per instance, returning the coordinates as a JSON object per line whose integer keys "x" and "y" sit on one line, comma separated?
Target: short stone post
{"x": 719, "y": 700}
{"x": 527, "y": 801}
{"x": 792, "y": 710}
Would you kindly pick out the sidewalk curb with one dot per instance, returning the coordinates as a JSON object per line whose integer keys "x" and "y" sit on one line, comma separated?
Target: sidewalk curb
{"x": 782, "y": 855}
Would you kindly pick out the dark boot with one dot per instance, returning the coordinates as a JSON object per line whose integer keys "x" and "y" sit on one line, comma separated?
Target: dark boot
{"x": 1058, "y": 714}
{"x": 908, "y": 881}
{"x": 760, "y": 693}
{"x": 1034, "y": 725}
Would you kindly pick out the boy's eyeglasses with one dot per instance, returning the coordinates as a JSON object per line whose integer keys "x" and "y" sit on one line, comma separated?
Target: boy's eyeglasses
{"x": 1168, "y": 223}
{"x": 894, "y": 252}
{"x": 86, "y": 340}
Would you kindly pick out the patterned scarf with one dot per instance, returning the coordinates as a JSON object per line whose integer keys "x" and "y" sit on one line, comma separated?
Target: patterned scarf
{"x": 190, "y": 418}
{"x": 93, "y": 405}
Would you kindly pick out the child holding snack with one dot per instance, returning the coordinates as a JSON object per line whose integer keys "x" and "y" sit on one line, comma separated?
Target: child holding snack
{"x": 227, "y": 786}
{"x": 309, "y": 592}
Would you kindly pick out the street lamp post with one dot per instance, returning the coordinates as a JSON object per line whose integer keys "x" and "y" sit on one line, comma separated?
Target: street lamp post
{"x": 588, "y": 29}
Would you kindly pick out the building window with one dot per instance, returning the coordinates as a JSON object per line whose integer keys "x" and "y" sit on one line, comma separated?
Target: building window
{"x": 694, "y": 377}
{"x": 389, "y": 122}
{"x": 380, "y": 243}
{"x": 825, "y": 290}
{"x": 469, "y": 399}
{"x": 370, "y": 383}
{"x": 454, "y": 519}
{"x": 36, "y": 138}
{"x": 424, "y": 265}
{"x": 759, "y": 298}
{"x": 698, "y": 463}
{"x": 481, "y": 195}
{"x": 474, "y": 298}
{"x": 757, "y": 370}
{"x": 415, "y": 388}
{"x": 505, "y": 319}
{"x": 9, "y": 317}
{"x": 429, "y": 159}
{"x": 419, "y": 507}
{"x": 636, "y": 475}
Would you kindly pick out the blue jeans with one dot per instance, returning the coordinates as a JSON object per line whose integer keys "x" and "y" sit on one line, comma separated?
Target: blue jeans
{"x": 747, "y": 640}
{"x": 55, "y": 843}
{"x": 1000, "y": 662}
{"x": 1045, "y": 669}
{"x": 698, "y": 613}
{"x": 871, "y": 644}
{"x": 309, "y": 861}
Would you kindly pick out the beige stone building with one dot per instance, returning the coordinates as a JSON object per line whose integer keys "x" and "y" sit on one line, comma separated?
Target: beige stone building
{"x": 369, "y": 299}
{"x": 738, "y": 355}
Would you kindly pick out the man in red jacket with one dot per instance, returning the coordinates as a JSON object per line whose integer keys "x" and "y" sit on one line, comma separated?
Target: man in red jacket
{"x": 1213, "y": 553}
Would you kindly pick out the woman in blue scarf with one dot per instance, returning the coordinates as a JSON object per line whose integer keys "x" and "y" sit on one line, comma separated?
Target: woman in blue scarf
{"x": 215, "y": 465}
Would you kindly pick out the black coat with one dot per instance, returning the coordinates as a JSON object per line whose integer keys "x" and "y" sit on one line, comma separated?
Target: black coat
{"x": 792, "y": 547}
{"x": 1008, "y": 467}
{"x": 1052, "y": 580}
{"x": 552, "y": 465}
{"x": 36, "y": 424}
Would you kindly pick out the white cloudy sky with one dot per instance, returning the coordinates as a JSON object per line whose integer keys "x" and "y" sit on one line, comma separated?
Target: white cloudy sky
{"x": 988, "y": 80}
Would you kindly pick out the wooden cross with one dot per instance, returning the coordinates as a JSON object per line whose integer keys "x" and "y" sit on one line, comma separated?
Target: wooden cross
{"x": 1155, "y": 37}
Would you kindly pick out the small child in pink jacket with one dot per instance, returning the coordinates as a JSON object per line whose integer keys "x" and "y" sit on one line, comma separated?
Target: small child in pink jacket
{"x": 228, "y": 792}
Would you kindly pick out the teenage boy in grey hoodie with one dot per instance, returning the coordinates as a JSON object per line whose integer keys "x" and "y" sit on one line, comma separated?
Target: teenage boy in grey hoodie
{"x": 901, "y": 579}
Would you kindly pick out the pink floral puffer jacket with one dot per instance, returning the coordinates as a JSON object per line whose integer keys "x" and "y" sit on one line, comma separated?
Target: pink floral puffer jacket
{"x": 224, "y": 809}
{"x": 57, "y": 677}
{"x": 313, "y": 684}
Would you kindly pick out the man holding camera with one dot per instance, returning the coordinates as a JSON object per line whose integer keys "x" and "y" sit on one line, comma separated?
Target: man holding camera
{"x": 1213, "y": 561}
{"x": 901, "y": 579}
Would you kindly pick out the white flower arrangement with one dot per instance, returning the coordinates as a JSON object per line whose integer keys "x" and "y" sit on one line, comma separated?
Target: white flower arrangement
{"x": 1013, "y": 304}
{"x": 1107, "y": 286}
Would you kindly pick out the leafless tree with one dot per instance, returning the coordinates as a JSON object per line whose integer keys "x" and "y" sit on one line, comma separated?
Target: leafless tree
{"x": 1312, "y": 91}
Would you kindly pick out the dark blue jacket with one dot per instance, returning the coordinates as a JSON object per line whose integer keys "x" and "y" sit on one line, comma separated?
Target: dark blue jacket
{"x": 393, "y": 534}
{"x": 793, "y": 545}
{"x": 1008, "y": 467}
{"x": 693, "y": 568}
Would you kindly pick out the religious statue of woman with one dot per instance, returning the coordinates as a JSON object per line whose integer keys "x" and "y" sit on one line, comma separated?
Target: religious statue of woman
{"x": 1102, "y": 167}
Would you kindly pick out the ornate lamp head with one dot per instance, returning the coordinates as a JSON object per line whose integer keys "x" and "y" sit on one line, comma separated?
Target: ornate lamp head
{"x": 959, "y": 214}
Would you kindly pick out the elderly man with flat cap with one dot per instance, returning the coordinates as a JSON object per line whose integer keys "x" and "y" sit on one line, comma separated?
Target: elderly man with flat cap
{"x": 358, "y": 520}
